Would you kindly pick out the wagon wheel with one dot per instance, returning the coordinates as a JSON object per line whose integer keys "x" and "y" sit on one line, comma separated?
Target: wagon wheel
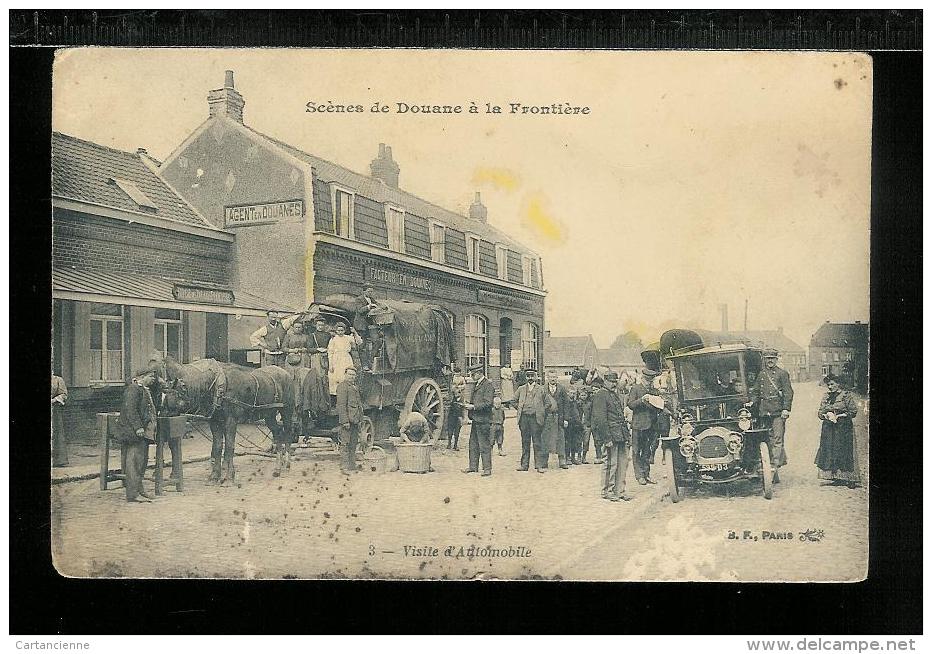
{"x": 425, "y": 397}
{"x": 765, "y": 470}
{"x": 366, "y": 436}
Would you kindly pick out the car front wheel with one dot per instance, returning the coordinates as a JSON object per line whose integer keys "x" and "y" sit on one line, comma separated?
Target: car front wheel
{"x": 765, "y": 470}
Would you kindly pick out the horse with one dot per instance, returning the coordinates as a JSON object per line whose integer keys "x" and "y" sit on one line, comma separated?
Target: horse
{"x": 227, "y": 395}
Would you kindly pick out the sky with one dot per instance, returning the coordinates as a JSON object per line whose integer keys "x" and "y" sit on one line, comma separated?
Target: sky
{"x": 693, "y": 180}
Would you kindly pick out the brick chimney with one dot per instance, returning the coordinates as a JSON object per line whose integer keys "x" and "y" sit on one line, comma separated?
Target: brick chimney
{"x": 478, "y": 211}
{"x": 384, "y": 168}
{"x": 226, "y": 101}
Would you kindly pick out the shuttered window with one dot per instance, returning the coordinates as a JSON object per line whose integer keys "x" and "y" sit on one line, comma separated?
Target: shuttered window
{"x": 501, "y": 260}
{"x": 438, "y": 239}
{"x": 395, "y": 223}
{"x": 472, "y": 252}
{"x": 343, "y": 210}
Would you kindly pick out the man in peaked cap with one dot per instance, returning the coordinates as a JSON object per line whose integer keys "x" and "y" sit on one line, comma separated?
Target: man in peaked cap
{"x": 772, "y": 393}
{"x": 480, "y": 413}
{"x": 644, "y": 425}
{"x": 608, "y": 421}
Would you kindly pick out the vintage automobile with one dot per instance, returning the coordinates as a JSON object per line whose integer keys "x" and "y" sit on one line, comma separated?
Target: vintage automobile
{"x": 411, "y": 365}
{"x": 717, "y": 439}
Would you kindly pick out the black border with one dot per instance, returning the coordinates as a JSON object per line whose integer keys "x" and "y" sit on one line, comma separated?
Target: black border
{"x": 890, "y": 601}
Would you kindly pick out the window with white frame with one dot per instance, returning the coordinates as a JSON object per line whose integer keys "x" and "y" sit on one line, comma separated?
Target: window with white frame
{"x": 438, "y": 239}
{"x": 343, "y": 212}
{"x": 824, "y": 357}
{"x": 395, "y": 223}
{"x": 835, "y": 356}
{"x": 501, "y": 259}
{"x": 849, "y": 356}
{"x": 167, "y": 333}
{"x": 529, "y": 338}
{"x": 106, "y": 343}
{"x": 477, "y": 331}
{"x": 526, "y": 263}
{"x": 472, "y": 252}
{"x": 825, "y": 370}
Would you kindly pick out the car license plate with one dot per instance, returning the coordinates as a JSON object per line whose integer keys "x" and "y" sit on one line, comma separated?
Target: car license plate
{"x": 713, "y": 467}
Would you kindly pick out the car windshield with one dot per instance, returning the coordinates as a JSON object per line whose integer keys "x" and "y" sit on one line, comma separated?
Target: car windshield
{"x": 711, "y": 376}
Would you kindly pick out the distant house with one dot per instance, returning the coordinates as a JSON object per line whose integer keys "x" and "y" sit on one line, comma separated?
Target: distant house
{"x": 621, "y": 359}
{"x": 562, "y": 354}
{"x": 841, "y": 349}
{"x": 793, "y": 357}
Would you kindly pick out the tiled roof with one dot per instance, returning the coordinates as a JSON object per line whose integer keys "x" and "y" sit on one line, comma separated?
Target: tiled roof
{"x": 761, "y": 337}
{"x": 141, "y": 287}
{"x": 621, "y": 356}
{"x": 82, "y": 170}
{"x": 833, "y": 334}
{"x": 376, "y": 190}
{"x": 566, "y": 350}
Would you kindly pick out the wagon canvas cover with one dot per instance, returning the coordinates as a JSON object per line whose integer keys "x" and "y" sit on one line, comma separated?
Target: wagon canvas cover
{"x": 418, "y": 336}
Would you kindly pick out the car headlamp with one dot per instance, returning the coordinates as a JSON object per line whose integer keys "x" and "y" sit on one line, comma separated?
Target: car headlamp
{"x": 687, "y": 426}
{"x": 688, "y": 446}
{"x": 744, "y": 420}
{"x": 735, "y": 442}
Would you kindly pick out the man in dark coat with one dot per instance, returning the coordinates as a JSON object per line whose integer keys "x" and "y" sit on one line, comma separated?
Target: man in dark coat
{"x": 135, "y": 430}
{"x": 555, "y": 423}
{"x": 480, "y": 413}
{"x": 772, "y": 392}
{"x": 608, "y": 421}
{"x": 349, "y": 411}
{"x": 644, "y": 424}
{"x": 533, "y": 404}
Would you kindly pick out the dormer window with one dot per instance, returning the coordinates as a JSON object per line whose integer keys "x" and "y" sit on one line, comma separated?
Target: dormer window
{"x": 438, "y": 239}
{"x": 395, "y": 223}
{"x": 343, "y": 201}
{"x": 472, "y": 252}
{"x": 501, "y": 260}
{"x": 527, "y": 265}
{"x": 135, "y": 194}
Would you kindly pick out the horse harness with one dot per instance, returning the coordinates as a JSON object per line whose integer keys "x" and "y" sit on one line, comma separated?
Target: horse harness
{"x": 277, "y": 404}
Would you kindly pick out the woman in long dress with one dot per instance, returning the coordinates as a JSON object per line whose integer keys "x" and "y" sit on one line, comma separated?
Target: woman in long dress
{"x": 341, "y": 352}
{"x": 59, "y": 444}
{"x": 837, "y": 458}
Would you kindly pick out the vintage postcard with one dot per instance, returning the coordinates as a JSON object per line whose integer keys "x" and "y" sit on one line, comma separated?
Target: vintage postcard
{"x": 460, "y": 314}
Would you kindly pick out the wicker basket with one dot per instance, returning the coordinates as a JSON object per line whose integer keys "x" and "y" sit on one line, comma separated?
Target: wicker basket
{"x": 414, "y": 457}
{"x": 375, "y": 460}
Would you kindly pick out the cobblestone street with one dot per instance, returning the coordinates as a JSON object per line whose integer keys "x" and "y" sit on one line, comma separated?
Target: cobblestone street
{"x": 314, "y": 522}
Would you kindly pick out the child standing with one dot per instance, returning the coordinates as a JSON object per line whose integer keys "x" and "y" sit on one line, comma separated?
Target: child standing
{"x": 498, "y": 424}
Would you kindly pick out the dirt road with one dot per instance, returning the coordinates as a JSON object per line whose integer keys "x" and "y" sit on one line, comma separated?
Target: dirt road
{"x": 314, "y": 522}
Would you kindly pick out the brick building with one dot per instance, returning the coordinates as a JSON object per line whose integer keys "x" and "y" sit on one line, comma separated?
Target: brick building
{"x": 307, "y": 228}
{"x": 135, "y": 269}
{"x": 841, "y": 349}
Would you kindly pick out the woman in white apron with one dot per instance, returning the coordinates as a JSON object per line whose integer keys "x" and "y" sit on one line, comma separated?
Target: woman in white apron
{"x": 340, "y": 352}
